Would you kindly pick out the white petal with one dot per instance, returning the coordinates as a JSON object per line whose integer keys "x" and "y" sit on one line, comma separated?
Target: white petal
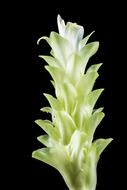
{"x": 61, "y": 25}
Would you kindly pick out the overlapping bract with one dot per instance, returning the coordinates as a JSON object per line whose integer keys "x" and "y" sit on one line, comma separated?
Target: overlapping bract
{"x": 69, "y": 139}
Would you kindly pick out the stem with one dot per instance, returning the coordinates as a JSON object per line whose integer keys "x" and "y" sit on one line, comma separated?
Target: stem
{"x": 79, "y": 181}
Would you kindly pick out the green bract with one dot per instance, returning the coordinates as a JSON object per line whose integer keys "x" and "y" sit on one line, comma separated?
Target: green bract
{"x": 69, "y": 140}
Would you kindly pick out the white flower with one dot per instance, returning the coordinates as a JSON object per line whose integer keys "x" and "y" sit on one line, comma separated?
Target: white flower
{"x": 71, "y": 31}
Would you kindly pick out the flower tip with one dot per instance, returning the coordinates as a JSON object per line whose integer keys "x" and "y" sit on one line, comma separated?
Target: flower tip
{"x": 38, "y": 41}
{"x": 40, "y": 56}
{"x": 59, "y": 18}
{"x": 92, "y": 33}
{"x": 33, "y": 153}
{"x": 61, "y": 25}
{"x": 42, "y": 38}
{"x": 111, "y": 139}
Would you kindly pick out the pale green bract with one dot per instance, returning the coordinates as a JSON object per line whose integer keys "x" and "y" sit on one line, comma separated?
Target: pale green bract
{"x": 69, "y": 140}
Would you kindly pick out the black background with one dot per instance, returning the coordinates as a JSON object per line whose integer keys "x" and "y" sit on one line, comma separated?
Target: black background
{"x": 26, "y": 80}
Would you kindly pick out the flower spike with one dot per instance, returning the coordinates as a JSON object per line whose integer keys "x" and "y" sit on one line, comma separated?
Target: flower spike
{"x": 69, "y": 140}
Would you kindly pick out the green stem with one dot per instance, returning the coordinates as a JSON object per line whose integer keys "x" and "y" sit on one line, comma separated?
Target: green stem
{"x": 79, "y": 181}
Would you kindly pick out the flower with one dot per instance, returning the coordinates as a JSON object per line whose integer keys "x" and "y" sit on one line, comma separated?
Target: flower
{"x": 70, "y": 147}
